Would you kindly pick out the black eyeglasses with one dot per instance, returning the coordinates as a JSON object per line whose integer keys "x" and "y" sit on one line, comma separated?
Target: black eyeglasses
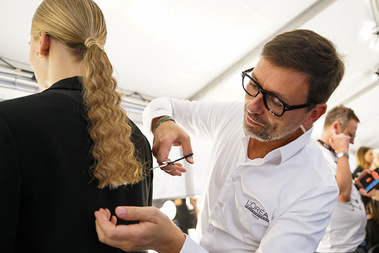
{"x": 273, "y": 104}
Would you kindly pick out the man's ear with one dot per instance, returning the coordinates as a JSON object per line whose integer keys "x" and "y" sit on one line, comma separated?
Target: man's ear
{"x": 336, "y": 126}
{"x": 315, "y": 114}
{"x": 44, "y": 44}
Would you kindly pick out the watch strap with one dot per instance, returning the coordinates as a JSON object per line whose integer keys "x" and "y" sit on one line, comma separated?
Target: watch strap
{"x": 339, "y": 155}
{"x": 161, "y": 121}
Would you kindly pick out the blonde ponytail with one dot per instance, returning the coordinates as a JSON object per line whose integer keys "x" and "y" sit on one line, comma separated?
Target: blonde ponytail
{"x": 112, "y": 150}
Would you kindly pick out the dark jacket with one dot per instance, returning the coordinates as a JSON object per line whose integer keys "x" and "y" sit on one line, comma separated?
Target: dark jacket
{"x": 357, "y": 172}
{"x": 47, "y": 196}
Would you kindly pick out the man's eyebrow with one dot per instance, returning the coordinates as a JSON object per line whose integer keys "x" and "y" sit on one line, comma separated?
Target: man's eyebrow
{"x": 272, "y": 92}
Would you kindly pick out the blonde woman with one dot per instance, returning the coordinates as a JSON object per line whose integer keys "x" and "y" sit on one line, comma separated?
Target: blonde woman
{"x": 365, "y": 158}
{"x": 70, "y": 149}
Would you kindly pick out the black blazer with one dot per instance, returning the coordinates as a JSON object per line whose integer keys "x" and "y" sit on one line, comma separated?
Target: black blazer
{"x": 47, "y": 196}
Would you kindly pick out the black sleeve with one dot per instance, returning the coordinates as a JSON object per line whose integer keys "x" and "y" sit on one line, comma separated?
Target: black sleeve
{"x": 10, "y": 189}
{"x": 357, "y": 172}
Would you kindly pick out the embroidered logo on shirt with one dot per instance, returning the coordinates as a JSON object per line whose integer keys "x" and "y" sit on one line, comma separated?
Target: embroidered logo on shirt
{"x": 354, "y": 204}
{"x": 256, "y": 211}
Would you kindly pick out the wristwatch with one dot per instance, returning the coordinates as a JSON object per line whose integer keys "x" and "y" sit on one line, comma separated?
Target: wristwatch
{"x": 339, "y": 155}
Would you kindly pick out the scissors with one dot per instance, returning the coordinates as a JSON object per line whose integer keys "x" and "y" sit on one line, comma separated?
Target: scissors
{"x": 164, "y": 164}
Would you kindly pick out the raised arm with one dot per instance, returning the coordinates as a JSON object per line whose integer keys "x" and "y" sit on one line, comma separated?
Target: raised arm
{"x": 170, "y": 119}
{"x": 340, "y": 143}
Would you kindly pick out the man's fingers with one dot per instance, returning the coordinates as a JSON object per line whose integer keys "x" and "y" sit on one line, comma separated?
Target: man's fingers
{"x": 108, "y": 232}
{"x": 174, "y": 170}
{"x": 103, "y": 225}
{"x": 114, "y": 220}
{"x": 107, "y": 212}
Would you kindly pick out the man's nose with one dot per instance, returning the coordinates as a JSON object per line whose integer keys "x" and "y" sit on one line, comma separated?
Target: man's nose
{"x": 255, "y": 105}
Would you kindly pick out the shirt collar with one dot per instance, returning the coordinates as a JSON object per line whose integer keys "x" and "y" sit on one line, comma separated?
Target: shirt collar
{"x": 282, "y": 154}
{"x": 293, "y": 147}
{"x": 71, "y": 83}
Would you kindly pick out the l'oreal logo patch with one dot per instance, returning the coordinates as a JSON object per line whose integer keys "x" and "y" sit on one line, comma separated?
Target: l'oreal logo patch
{"x": 256, "y": 211}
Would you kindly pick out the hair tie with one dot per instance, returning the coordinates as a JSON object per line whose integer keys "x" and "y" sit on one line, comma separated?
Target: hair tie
{"x": 91, "y": 42}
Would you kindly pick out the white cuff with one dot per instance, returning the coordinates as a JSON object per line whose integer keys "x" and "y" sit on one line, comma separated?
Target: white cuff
{"x": 191, "y": 246}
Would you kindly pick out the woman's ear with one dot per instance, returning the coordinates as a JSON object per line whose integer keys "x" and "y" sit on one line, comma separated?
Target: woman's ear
{"x": 314, "y": 115}
{"x": 44, "y": 44}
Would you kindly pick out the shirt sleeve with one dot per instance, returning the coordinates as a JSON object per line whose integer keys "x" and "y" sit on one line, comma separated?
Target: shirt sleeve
{"x": 191, "y": 246}
{"x": 9, "y": 188}
{"x": 200, "y": 118}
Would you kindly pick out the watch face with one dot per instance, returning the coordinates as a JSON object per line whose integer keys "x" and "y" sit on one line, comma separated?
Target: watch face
{"x": 342, "y": 155}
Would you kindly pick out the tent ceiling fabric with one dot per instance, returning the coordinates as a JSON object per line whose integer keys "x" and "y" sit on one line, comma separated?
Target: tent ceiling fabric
{"x": 197, "y": 49}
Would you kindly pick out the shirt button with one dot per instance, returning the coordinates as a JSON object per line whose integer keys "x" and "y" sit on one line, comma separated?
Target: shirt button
{"x": 211, "y": 229}
{"x": 234, "y": 179}
{"x": 220, "y": 204}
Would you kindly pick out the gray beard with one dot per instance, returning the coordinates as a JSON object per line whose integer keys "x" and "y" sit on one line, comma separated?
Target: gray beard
{"x": 262, "y": 136}
{"x": 269, "y": 132}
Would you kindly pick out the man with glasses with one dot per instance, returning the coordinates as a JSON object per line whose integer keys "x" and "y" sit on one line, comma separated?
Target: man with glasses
{"x": 268, "y": 187}
{"x": 346, "y": 230}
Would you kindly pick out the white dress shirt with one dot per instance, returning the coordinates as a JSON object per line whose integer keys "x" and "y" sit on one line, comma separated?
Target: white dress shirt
{"x": 281, "y": 203}
{"x": 347, "y": 227}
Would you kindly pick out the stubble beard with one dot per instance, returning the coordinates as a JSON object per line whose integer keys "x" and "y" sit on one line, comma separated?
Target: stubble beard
{"x": 266, "y": 131}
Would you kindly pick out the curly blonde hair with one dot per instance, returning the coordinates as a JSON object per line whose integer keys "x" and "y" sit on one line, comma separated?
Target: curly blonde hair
{"x": 80, "y": 26}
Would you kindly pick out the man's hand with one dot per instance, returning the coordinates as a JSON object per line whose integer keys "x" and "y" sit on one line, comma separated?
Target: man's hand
{"x": 154, "y": 230}
{"x": 340, "y": 142}
{"x": 169, "y": 134}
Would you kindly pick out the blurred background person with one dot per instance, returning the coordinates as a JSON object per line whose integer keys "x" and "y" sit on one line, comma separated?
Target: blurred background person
{"x": 195, "y": 209}
{"x": 346, "y": 229}
{"x": 365, "y": 161}
{"x": 365, "y": 158}
{"x": 70, "y": 149}
{"x": 185, "y": 218}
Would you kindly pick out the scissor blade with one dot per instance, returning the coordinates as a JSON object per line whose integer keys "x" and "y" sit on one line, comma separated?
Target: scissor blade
{"x": 160, "y": 166}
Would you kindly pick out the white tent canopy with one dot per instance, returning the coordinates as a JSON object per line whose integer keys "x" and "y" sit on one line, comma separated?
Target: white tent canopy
{"x": 197, "y": 49}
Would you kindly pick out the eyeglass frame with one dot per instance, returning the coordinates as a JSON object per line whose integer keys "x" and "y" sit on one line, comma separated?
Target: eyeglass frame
{"x": 286, "y": 107}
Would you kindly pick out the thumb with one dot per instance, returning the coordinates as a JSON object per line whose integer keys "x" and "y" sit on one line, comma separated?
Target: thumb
{"x": 120, "y": 212}
{"x": 187, "y": 150}
{"x": 134, "y": 213}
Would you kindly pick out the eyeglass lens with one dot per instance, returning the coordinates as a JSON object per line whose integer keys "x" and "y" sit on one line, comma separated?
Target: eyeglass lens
{"x": 272, "y": 103}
